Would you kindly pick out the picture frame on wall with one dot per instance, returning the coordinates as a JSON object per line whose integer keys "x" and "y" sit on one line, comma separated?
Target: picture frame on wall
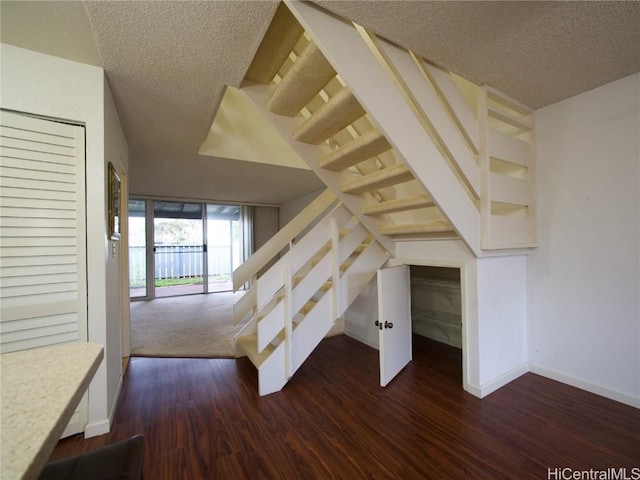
{"x": 114, "y": 203}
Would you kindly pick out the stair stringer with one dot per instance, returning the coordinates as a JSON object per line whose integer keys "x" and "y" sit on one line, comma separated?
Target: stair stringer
{"x": 310, "y": 332}
{"x": 311, "y": 154}
{"x": 288, "y": 326}
{"x": 341, "y": 43}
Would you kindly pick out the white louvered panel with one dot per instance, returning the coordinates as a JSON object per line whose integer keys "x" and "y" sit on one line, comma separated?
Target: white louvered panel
{"x": 19, "y": 144}
{"x": 8, "y": 221}
{"x": 36, "y": 232}
{"x": 38, "y": 242}
{"x": 38, "y": 194}
{"x": 30, "y": 174}
{"x": 49, "y": 279}
{"x": 33, "y": 203}
{"x": 29, "y": 184}
{"x": 21, "y": 212}
{"x": 38, "y": 137}
{"x": 37, "y": 310}
{"x": 14, "y": 256}
{"x": 39, "y": 322}
{"x": 49, "y": 337}
{"x": 8, "y": 153}
{"x": 39, "y": 260}
{"x": 8, "y": 272}
{"x": 37, "y": 165}
{"x": 42, "y": 214}
{"x": 45, "y": 303}
{"x": 24, "y": 122}
{"x": 27, "y": 290}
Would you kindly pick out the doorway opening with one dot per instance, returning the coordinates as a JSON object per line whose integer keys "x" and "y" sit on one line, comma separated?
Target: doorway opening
{"x": 436, "y": 317}
{"x": 183, "y": 248}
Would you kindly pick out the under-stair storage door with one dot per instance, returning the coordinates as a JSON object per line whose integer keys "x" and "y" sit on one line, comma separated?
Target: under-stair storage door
{"x": 42, "y": 237}
{"x": 394, "y": 321}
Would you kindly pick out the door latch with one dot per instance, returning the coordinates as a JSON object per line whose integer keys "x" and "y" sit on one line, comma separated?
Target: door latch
{"x": 386, "y": 325}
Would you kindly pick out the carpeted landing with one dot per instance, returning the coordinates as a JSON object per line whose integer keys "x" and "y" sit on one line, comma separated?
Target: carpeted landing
{"x": 188, "y": 326}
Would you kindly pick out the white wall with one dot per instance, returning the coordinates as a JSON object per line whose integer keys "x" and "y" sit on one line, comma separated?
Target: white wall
{"x": 117, "y": 294}
{"x": 502, "y": 321}
{"x": 290, "y": 209}
{"x": 50, "y": 86}
{"x": 584, "y": 279}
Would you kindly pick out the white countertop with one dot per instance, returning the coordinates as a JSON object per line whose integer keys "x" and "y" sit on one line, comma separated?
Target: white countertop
{"x": 40, "y": 390}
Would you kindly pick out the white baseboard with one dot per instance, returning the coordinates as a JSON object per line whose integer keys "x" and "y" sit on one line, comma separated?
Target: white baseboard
{"x": 498, "y": 382}
{"x": 116, "y": 397}
{"x": 361, "y": 339}
{"x": 474, "y": 390}
{"x": 612, "y": 394}
{"x": 97, "y": 428}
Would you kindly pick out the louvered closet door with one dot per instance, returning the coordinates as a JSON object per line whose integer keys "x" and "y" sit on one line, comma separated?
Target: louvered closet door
{"x": 42, "y": 236}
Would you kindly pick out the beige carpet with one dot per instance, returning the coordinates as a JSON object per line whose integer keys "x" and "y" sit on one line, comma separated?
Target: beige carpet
{"x": 188, "y": 326}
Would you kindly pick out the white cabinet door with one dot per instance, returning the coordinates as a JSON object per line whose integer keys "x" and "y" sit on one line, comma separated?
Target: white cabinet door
{"x": 394, "y": 321}
{"x": 43, "y": 293}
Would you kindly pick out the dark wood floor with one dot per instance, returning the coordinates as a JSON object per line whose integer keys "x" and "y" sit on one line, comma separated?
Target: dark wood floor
{"x": 203, "y": 419}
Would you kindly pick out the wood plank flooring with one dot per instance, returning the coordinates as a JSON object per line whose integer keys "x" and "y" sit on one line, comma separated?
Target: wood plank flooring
{"x": 203, "y": 419}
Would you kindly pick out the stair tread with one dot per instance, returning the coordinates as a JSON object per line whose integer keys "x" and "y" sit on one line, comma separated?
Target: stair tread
{"x": 249, "y": 344}
{"x": 382, "y": 178}
{"x": 308, "y": 75}
{"x": 438, "y": 226}
{"x": 281, "y": 37}
{"x": 306, "y": 308}
{"x": 365, "y": 146}
{"x": 341, "y": 110}
{"x": 398, "y": 205}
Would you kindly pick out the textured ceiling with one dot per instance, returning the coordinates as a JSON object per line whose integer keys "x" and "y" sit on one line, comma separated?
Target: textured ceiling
{"x": 167, "y": 62}
{"x": 536, "y": 52}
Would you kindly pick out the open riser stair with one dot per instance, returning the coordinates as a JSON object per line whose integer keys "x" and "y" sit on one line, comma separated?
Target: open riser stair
{"x": 297, "y": 301}
{"x": 408, "y": 151}
{"x": 414, "y": 151}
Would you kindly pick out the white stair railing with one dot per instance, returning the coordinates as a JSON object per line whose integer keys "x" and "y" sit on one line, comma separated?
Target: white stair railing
{"x": 248, "y": 270}
{"x": 298, "y": 300}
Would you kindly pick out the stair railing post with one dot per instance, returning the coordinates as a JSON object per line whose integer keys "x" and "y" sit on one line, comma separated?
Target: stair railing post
{"x": 254, "y": 309}
{"x": 335, "y": 266}
{"x": 288, "y": 322}
{"x": 484, "y": 164}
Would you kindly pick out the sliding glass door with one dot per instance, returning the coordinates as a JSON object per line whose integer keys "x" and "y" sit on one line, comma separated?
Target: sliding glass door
{"x": 178, "y": 247}
{"x": 138, "y": 249}
{"x": 224, "y": 245}
{"x": 195, "y": 247}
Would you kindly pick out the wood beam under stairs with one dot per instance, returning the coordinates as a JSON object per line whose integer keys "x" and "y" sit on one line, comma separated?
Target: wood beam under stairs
{"x": 379, "y": 179}
{"x": 377, "y": 91}
{"x": 249, "y": 345}
{"x": 362, "y": 148}
{"x": 340, "y": 111}
{"x": 398, "y": 205}
{"x": 308, "y": 75}
{"x": 282, "y": 35}
{"x": 438, "y": 226}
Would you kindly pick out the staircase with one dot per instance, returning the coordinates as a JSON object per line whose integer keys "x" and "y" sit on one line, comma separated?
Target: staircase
{"x": 296, "y": 302}
{"x": 409, "y": 150}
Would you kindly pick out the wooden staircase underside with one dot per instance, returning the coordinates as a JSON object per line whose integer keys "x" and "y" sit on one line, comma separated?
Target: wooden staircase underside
{"x": 312, "y": 108}
{"x": 407, "y": 155}
{"x": 394, "y": 137}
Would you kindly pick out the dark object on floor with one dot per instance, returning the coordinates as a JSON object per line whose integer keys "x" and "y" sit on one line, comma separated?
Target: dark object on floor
{"x": 118, "y": 461}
